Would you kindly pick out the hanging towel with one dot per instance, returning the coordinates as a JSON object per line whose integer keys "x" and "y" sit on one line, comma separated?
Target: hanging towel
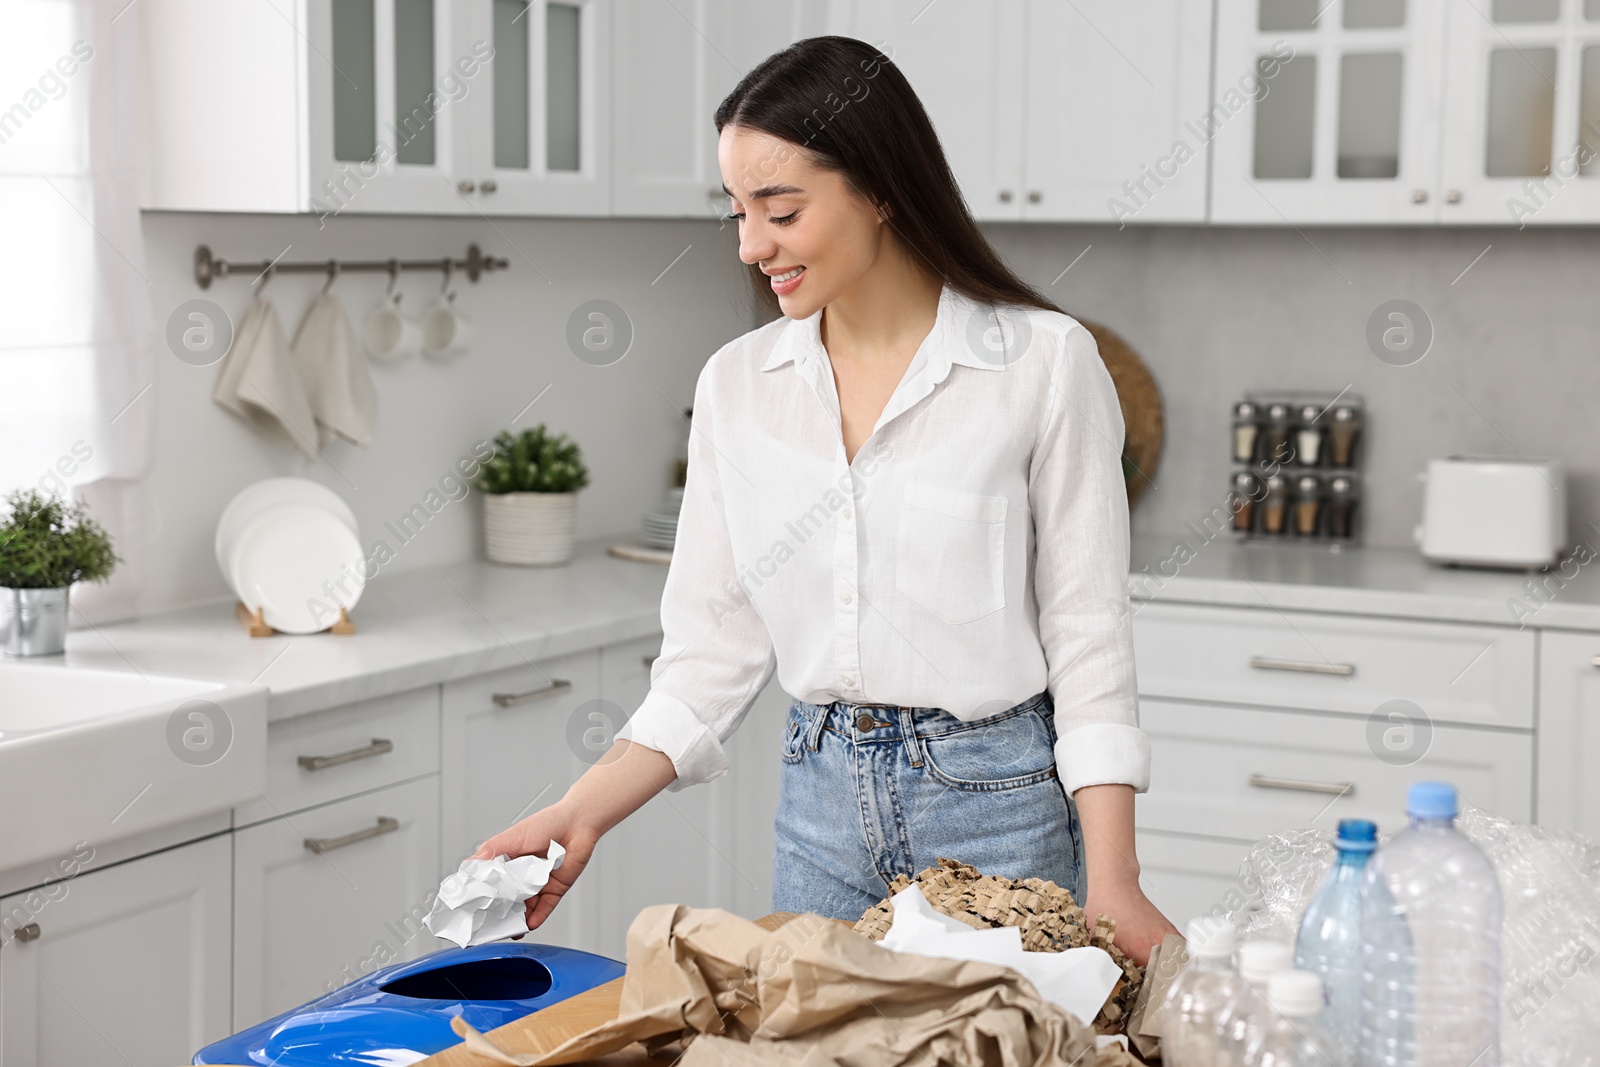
{"x": 260, "y": 383}
{"x": 337, "y": 376}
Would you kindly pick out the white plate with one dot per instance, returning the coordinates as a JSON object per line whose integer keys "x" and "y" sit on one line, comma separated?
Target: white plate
{"x": 292, "y": 555}
{"x": 253, "y": 499}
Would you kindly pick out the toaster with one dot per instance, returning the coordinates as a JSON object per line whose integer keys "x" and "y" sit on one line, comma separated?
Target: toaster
{"x": 1493, "y": 511}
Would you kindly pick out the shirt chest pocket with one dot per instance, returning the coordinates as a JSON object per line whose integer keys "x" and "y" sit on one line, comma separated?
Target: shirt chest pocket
{"x": 950, "y": 551}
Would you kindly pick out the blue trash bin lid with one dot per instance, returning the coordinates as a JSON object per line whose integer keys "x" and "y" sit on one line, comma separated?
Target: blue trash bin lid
{"x": 401, "y": 1014}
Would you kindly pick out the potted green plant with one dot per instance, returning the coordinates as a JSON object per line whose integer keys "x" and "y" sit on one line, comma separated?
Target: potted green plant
{"x": 530, "y": 503}
{"x": 46, "y": 545}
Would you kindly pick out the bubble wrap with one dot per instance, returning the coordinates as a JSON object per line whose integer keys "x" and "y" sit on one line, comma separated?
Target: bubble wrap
{"x": 1549, "y": 938}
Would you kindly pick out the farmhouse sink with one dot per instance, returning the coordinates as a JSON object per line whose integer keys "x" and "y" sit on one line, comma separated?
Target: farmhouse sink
{"x": 95, "y": 755}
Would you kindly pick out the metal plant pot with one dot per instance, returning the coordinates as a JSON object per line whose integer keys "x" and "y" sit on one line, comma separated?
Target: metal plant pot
{"x": 34, "y": 621}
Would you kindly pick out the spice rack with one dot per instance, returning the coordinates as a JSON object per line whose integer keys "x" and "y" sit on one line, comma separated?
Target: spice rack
{"x": 1295, "y": 467}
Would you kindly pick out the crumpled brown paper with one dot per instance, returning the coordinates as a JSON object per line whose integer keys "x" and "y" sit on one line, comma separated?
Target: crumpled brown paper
{"x": 814, "y": 992}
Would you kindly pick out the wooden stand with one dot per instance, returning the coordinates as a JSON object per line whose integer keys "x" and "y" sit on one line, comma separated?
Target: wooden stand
{"x": 257, "y": 626}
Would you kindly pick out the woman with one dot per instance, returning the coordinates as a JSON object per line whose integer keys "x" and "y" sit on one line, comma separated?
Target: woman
{"x": 905, "y": 495}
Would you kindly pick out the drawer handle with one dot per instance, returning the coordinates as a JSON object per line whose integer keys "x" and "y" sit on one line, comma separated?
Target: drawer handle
{"x": 26, "y": 933}
{"x": 506, "y": 700}
{"x": 1266, "y": 663}
{"x": 379, "y": 746}
{"x": 1299, "y": 785}
{"x": 385, "y": 825}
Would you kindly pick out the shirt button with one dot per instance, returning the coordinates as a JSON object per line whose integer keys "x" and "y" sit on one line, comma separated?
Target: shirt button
{"x": 845, "y": 512}
{"x": 844, "y": 598}
{"x": 849, "y": 680}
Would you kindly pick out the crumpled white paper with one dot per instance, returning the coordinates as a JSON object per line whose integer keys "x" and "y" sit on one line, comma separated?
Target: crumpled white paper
{"x": 1078, "y": 980}
{"x": 486, "y": 900}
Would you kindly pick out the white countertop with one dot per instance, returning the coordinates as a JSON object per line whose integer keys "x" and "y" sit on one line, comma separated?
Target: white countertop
{"x": 423, "y": 627}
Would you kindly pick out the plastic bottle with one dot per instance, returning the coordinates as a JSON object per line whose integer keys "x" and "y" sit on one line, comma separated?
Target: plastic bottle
{"x": 1296, "y": 1035}
{"x": 1248, "y": 1010}
{"x": 1430, "y": 944}
{"x": 1329, "y": 944}
{"x": 1189, "y": 1014}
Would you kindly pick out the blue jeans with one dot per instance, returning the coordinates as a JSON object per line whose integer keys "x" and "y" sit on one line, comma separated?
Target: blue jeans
{"x": 871, "y": 791}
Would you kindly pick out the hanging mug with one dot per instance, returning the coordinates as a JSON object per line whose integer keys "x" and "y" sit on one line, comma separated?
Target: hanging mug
{"x": 386, "y": 332}
{"x": 445, "y": 331}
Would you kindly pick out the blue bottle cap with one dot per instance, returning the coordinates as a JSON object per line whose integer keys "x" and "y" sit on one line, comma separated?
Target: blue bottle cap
{"x": 1431, "y": 800}
{"x": 1356, "y": 835}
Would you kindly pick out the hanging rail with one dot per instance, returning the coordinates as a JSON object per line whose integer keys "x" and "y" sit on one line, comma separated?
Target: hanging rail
{"x": 208, "y": 266}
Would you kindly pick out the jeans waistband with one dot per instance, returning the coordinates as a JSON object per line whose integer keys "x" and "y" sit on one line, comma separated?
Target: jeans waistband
{"x": 891, "y": 721}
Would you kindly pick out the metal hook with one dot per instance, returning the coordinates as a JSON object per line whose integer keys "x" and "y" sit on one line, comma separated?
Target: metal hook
{"x": 266, "y": 276}
{"x": 449, "y": 267}
{"x": 333, "y": 273}
{"x": 394, "y": 276}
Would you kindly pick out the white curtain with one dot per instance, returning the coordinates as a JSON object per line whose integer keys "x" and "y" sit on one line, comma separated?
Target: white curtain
{"x": 76, "y": 359}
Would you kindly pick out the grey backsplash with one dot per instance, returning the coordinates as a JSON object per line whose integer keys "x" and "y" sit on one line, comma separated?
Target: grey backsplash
{"x": 1213, "y": 311}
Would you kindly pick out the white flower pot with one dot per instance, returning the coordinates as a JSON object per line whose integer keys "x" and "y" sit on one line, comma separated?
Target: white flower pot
{"x": 529, "y": 528}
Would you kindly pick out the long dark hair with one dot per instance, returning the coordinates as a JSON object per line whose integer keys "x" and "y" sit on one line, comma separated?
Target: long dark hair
{"x": 846, "y": 104}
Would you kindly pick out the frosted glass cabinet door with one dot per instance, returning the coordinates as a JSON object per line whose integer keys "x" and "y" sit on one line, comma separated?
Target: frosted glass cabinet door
{"x": 1116, "y": 97}
{"x": 965, "y": 59}
{"x": 1522, "y": 113}
{"x": 1326, "y": 111}
{"x": 541, "y": 130}
{"x": 388, "y": 84}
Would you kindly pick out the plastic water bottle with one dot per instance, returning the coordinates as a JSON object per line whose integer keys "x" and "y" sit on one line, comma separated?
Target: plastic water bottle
{"x": 1430, "y": 944}
{"x": 1296, "y": 1035}
{"x": 1189, "y": 1014}
{"x": 1248, "y": 1010}
{"x": 1329, "y": 944}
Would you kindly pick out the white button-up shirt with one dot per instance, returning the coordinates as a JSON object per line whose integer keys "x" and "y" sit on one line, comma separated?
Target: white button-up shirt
{"x": 973, "y": 554}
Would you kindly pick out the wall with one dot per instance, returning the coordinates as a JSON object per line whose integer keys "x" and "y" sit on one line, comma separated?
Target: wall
{"x": 1214, "y": 311}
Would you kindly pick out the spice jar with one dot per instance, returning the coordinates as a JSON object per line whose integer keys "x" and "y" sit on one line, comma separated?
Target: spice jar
{"x": 1307, "y": 505}
{"x": 1247, "y": 490}
{"x": 1277, "y": 436}
{"x": 1246, "y": 431}
{"x": 1343, "y": 435}
{"x": 1308, "y": 437}
{"x": 1341, "y": 506}
{"x": 1275, "y": 504}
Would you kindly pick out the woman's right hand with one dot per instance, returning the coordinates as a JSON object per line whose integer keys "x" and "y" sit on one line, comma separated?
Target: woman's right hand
{"x": 532, "y": 837}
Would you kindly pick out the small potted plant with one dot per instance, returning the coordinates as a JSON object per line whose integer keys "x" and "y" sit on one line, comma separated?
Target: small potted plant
{"x": 530, "y": 504}
{"x": 46, "y": 544}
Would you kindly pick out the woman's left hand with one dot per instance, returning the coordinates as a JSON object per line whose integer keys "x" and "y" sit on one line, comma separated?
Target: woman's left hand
{"x": 1140, "y": 926}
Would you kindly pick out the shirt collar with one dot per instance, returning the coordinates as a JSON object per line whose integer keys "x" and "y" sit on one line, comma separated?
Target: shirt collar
{"x": 801, "y": 339}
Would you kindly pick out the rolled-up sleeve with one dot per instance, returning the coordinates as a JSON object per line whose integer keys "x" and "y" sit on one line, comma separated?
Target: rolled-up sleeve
{"x": 1080, "y": 514}
{"x": 716, "y": 655}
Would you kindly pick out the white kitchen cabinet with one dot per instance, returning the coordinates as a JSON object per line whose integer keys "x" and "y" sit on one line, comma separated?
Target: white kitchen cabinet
{"x": 327, "y": 895}
{"x": 749, "y": 793}
{"x": 1327, "y": 111}
{"x": 1186, "y": 876}
{"x": 510, "y": 747}
{"x": 675, "y": 61}
{"x": 1569, "y": 731}
{"x": 129, "y": 965}
{"x": 1522, "y": 113}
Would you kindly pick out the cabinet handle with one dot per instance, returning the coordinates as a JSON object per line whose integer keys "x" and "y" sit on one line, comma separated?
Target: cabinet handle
{"x": 1005, "y": 196}
{"x": 1266, "y": 663}
{"x": 506, "y": 700}
{"x": 1034, "y": 196}
{"x": 1453, "y": 196}
{"x": 379, "y": 746}
{"x": 466, "y": 185}
{"x": 26, "y": 933}
{"x": 488, "y": 185}
{"x": 1297, "y": 785}
{"x": 1419, "y": 196}
{"x": 385, "y": 825}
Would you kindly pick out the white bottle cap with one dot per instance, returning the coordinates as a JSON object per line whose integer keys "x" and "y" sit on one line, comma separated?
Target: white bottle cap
{"x": 1295, "y": 993}
{"x": 1259, "y": 959}
{"x": 1210, "y": 936}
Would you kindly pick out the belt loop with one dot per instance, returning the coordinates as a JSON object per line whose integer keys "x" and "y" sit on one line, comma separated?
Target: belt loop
{"x": 814, "y": 731}
{"x": 908, "y": 730}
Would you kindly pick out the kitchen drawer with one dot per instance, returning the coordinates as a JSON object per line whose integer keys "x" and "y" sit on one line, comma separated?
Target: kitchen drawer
{"x": 1186, "y": 877}
{"x": 328, "y": 755}
{"x": 1453, "y": 672}
{"x": 1244, "y": 773}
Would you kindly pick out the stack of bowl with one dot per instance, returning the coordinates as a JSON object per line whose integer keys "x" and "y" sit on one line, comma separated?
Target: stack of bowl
{"x": 661, "y": 527}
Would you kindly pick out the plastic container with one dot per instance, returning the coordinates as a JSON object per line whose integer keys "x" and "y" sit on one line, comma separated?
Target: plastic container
{"x": 1189, "y": 1014}
{"x": 1248, "y": 1010}
{"x": 1430, "y": 944}
{"x": 401, "y": 1014}
{"x": 1296, "y": 1035}
{"x": 1329, "y": 943}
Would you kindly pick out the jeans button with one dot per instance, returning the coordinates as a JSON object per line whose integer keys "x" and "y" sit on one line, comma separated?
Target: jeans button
{"x": 864, "y": 722}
